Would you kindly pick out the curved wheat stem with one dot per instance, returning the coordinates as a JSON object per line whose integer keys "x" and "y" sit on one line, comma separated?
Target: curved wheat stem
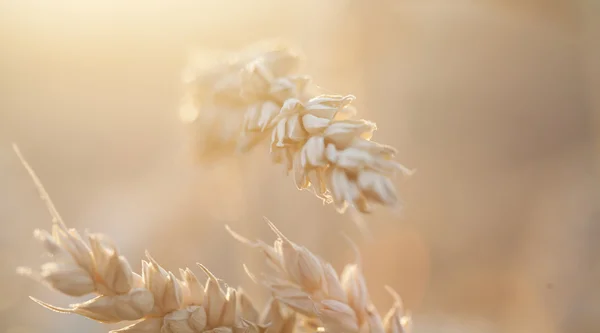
{"x": 257, "y": 97}
{"x": 311, "y": 287}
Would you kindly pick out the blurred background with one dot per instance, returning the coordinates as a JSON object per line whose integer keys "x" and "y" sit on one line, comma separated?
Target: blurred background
{"x": 495, "y": 103}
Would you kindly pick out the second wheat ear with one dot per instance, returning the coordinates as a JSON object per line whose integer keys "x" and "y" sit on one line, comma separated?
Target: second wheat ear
{"x": 257, "y": 96}
{"x": 311, "y": 287}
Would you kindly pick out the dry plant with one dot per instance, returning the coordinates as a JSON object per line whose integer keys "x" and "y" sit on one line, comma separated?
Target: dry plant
{"x": 308, "y": 296}
{"x": 236, "y": 104}
{"x": 157, "y": 300}
{"x": 312, "y": 288}
{"x": 257, "y": 96}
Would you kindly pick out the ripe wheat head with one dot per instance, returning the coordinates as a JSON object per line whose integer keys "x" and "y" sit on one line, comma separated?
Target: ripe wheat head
{"x": 312, "y": 288}
{"x": 256, "y": 96}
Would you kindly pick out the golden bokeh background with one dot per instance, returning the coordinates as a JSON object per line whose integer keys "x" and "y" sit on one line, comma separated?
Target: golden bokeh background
{"x": 495, "y": 103}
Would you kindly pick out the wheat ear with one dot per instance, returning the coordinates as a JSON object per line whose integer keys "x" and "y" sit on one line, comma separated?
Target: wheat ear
{"x": 311, "y": 287}
{"x": 250, "y": 99}
{"x": 157, "y": 300}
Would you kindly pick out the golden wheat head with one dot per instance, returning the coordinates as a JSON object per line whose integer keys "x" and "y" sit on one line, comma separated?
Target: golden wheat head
{"x": 258, "y": 97}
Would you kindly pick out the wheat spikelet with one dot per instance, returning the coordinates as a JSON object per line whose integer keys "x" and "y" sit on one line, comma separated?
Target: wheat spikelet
{"x": 312, "y": 288}
{"x": 258, "y": 96}
{"x": 157, "y": 300}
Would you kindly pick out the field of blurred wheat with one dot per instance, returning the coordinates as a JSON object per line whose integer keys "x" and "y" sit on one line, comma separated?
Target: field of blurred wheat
{"x": 495, "y": 103}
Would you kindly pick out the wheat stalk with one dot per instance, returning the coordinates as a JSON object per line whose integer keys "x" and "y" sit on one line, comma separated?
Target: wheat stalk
{"x": 245, "y": 101}
{"x": 158, "y": 300}
{"x": 312, "y": 288}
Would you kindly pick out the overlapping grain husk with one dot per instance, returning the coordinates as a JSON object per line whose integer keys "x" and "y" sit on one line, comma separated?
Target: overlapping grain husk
{"x": 312, "y": 288}
{"x": 258, "y": 97}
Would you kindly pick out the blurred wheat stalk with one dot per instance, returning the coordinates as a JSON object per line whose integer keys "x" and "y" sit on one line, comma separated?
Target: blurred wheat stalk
{"x": 256, "y": 96}
{"x": 307, "y": 297}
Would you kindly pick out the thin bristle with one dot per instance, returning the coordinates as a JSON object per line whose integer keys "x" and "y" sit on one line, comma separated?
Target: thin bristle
{"x": 395, "y": 295}
{"x": 51, "y": 307}
{"x": 250, "y": 274}
{"x": 354, "y": 247}
{"x": 208, "y": 273}
{"x": 276, "y": 231}
{"x": 241, "y": 238}
{"x": 56, "y": 218}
